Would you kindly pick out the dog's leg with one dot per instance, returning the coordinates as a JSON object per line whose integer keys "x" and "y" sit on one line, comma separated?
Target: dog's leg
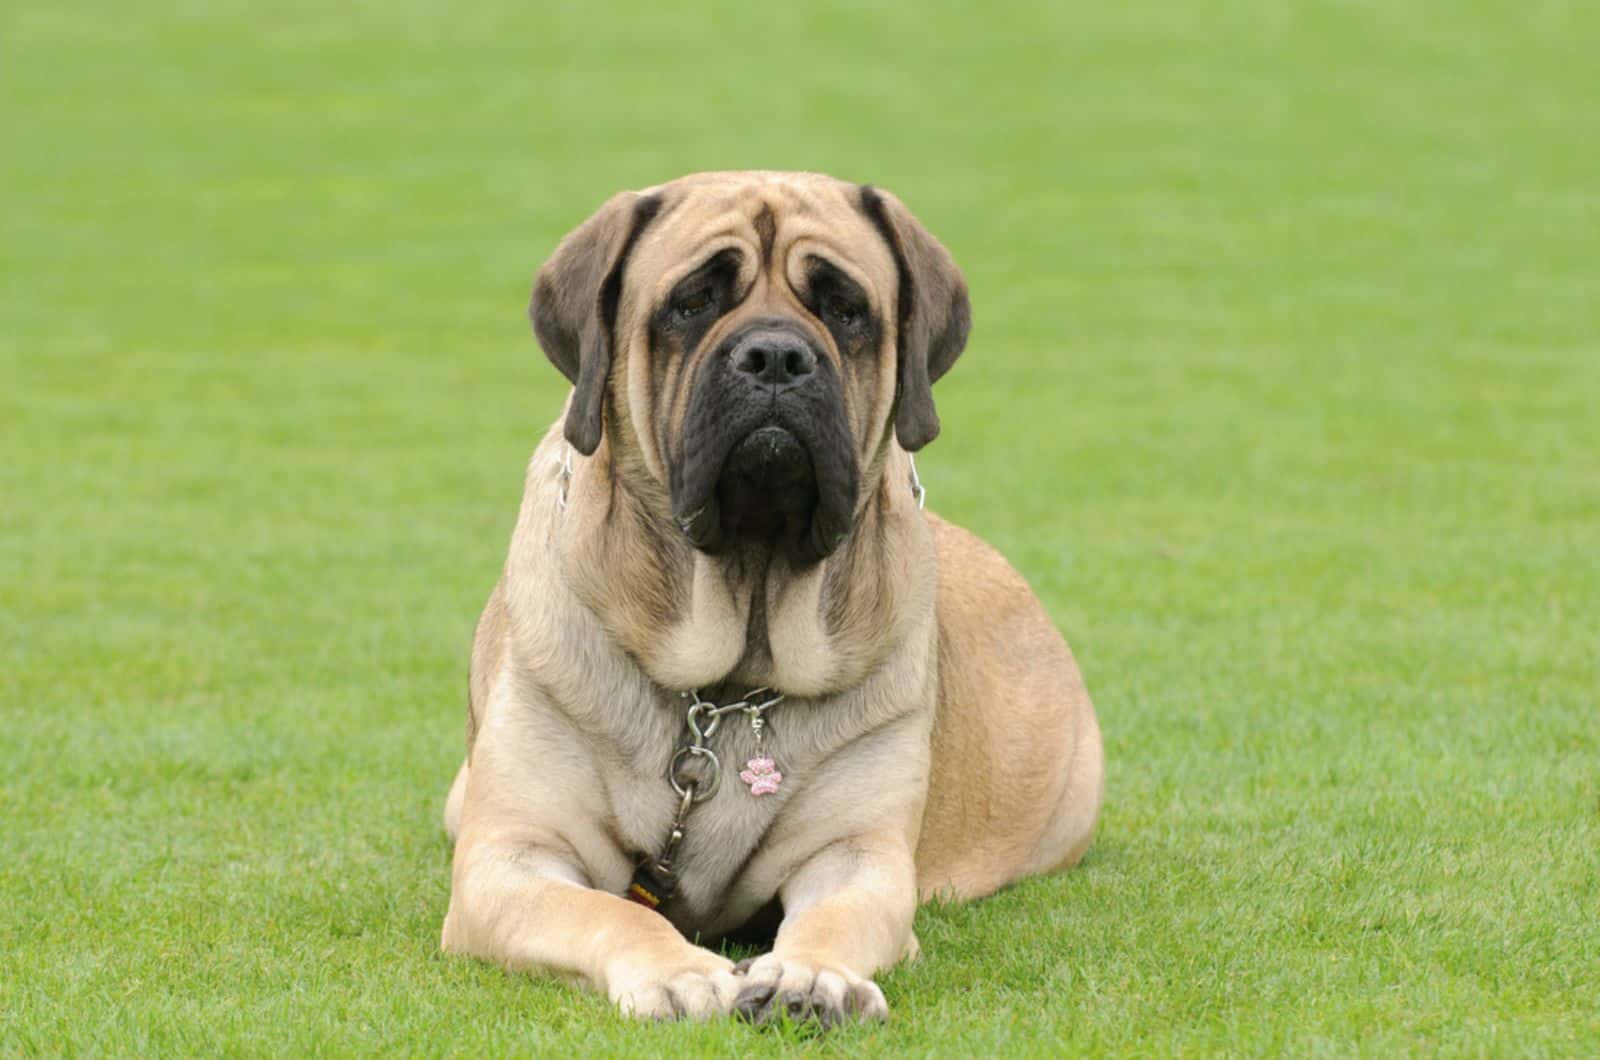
{"x": 529, "y": 908}
{"x": 847, "y": 913}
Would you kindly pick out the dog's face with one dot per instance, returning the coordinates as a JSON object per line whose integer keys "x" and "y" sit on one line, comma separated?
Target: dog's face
{"x": 752, "y": 338}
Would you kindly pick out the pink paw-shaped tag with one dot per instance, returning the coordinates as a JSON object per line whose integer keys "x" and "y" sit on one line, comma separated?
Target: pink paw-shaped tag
{"x": 762, "y": 775}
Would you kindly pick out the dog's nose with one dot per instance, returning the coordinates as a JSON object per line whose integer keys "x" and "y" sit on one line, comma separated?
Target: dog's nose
{"x": 774, "y": 356}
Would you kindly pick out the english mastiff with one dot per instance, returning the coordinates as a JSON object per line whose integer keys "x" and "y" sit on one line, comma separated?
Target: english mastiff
{"x": 733, "y": 674}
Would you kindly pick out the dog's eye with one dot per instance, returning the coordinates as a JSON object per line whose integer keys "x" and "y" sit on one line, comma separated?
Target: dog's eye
{"x": 841, "y": 309}
{"x": 692, "y": 305}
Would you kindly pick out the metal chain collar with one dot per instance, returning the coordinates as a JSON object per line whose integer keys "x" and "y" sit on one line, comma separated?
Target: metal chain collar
{"x": 656, "y": 879}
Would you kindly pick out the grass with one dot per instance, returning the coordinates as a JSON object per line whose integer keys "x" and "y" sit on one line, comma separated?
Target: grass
{"x": 1283, "y": 395}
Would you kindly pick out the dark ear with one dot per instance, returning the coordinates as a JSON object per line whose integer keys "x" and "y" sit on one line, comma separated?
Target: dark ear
{"x": 935, "y": 314}
{"x": 574, "y": 308}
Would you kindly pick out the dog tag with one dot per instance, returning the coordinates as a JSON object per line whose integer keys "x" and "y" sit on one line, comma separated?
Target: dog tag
{"x": 761, "y": 773}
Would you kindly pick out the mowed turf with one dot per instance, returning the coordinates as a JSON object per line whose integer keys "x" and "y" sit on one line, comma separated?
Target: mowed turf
{"x": 1284, "y": 394}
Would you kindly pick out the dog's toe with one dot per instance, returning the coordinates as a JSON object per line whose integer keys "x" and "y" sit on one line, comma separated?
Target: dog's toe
{"x": 866, "y": 1001}
{"x": 648, "y": 1003}
{"x": 802, "y": 992}
{"x": 702, "y": 997}
{"x": 704, "y": 990}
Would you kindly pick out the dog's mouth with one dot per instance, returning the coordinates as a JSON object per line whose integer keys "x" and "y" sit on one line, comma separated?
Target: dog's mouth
{"x": 766, "y": 492}
{"x": 769, "y": 490}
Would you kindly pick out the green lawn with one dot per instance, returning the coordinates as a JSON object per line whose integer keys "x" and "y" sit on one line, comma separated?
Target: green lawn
{"x": 1284, "y": 393}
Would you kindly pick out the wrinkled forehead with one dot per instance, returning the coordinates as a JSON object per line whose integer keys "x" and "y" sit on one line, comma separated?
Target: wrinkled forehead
{"x": 776, "y": 221}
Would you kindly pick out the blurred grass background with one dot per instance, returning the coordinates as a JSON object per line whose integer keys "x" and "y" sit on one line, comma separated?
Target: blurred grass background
{"x": 1283, "y": 393}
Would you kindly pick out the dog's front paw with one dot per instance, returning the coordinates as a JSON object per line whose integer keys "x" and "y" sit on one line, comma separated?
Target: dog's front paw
{"x": 803, "y": 990}
{"x": 697, "y": 989}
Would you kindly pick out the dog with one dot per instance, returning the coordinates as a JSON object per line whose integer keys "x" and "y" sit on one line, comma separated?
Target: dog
{"x": 733, "y": 674}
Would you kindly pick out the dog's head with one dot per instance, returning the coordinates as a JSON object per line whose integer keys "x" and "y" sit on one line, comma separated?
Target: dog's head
{"x": 753, "y": 338}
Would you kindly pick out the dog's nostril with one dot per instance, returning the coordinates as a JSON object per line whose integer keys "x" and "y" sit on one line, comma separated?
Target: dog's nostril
{"x": 794, "y": 362}
{"x": 754, "y": 361}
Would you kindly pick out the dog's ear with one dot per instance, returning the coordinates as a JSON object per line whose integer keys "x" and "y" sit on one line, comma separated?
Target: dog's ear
{"x": 935, "y": 314}
{"x": 574, "y": 307}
